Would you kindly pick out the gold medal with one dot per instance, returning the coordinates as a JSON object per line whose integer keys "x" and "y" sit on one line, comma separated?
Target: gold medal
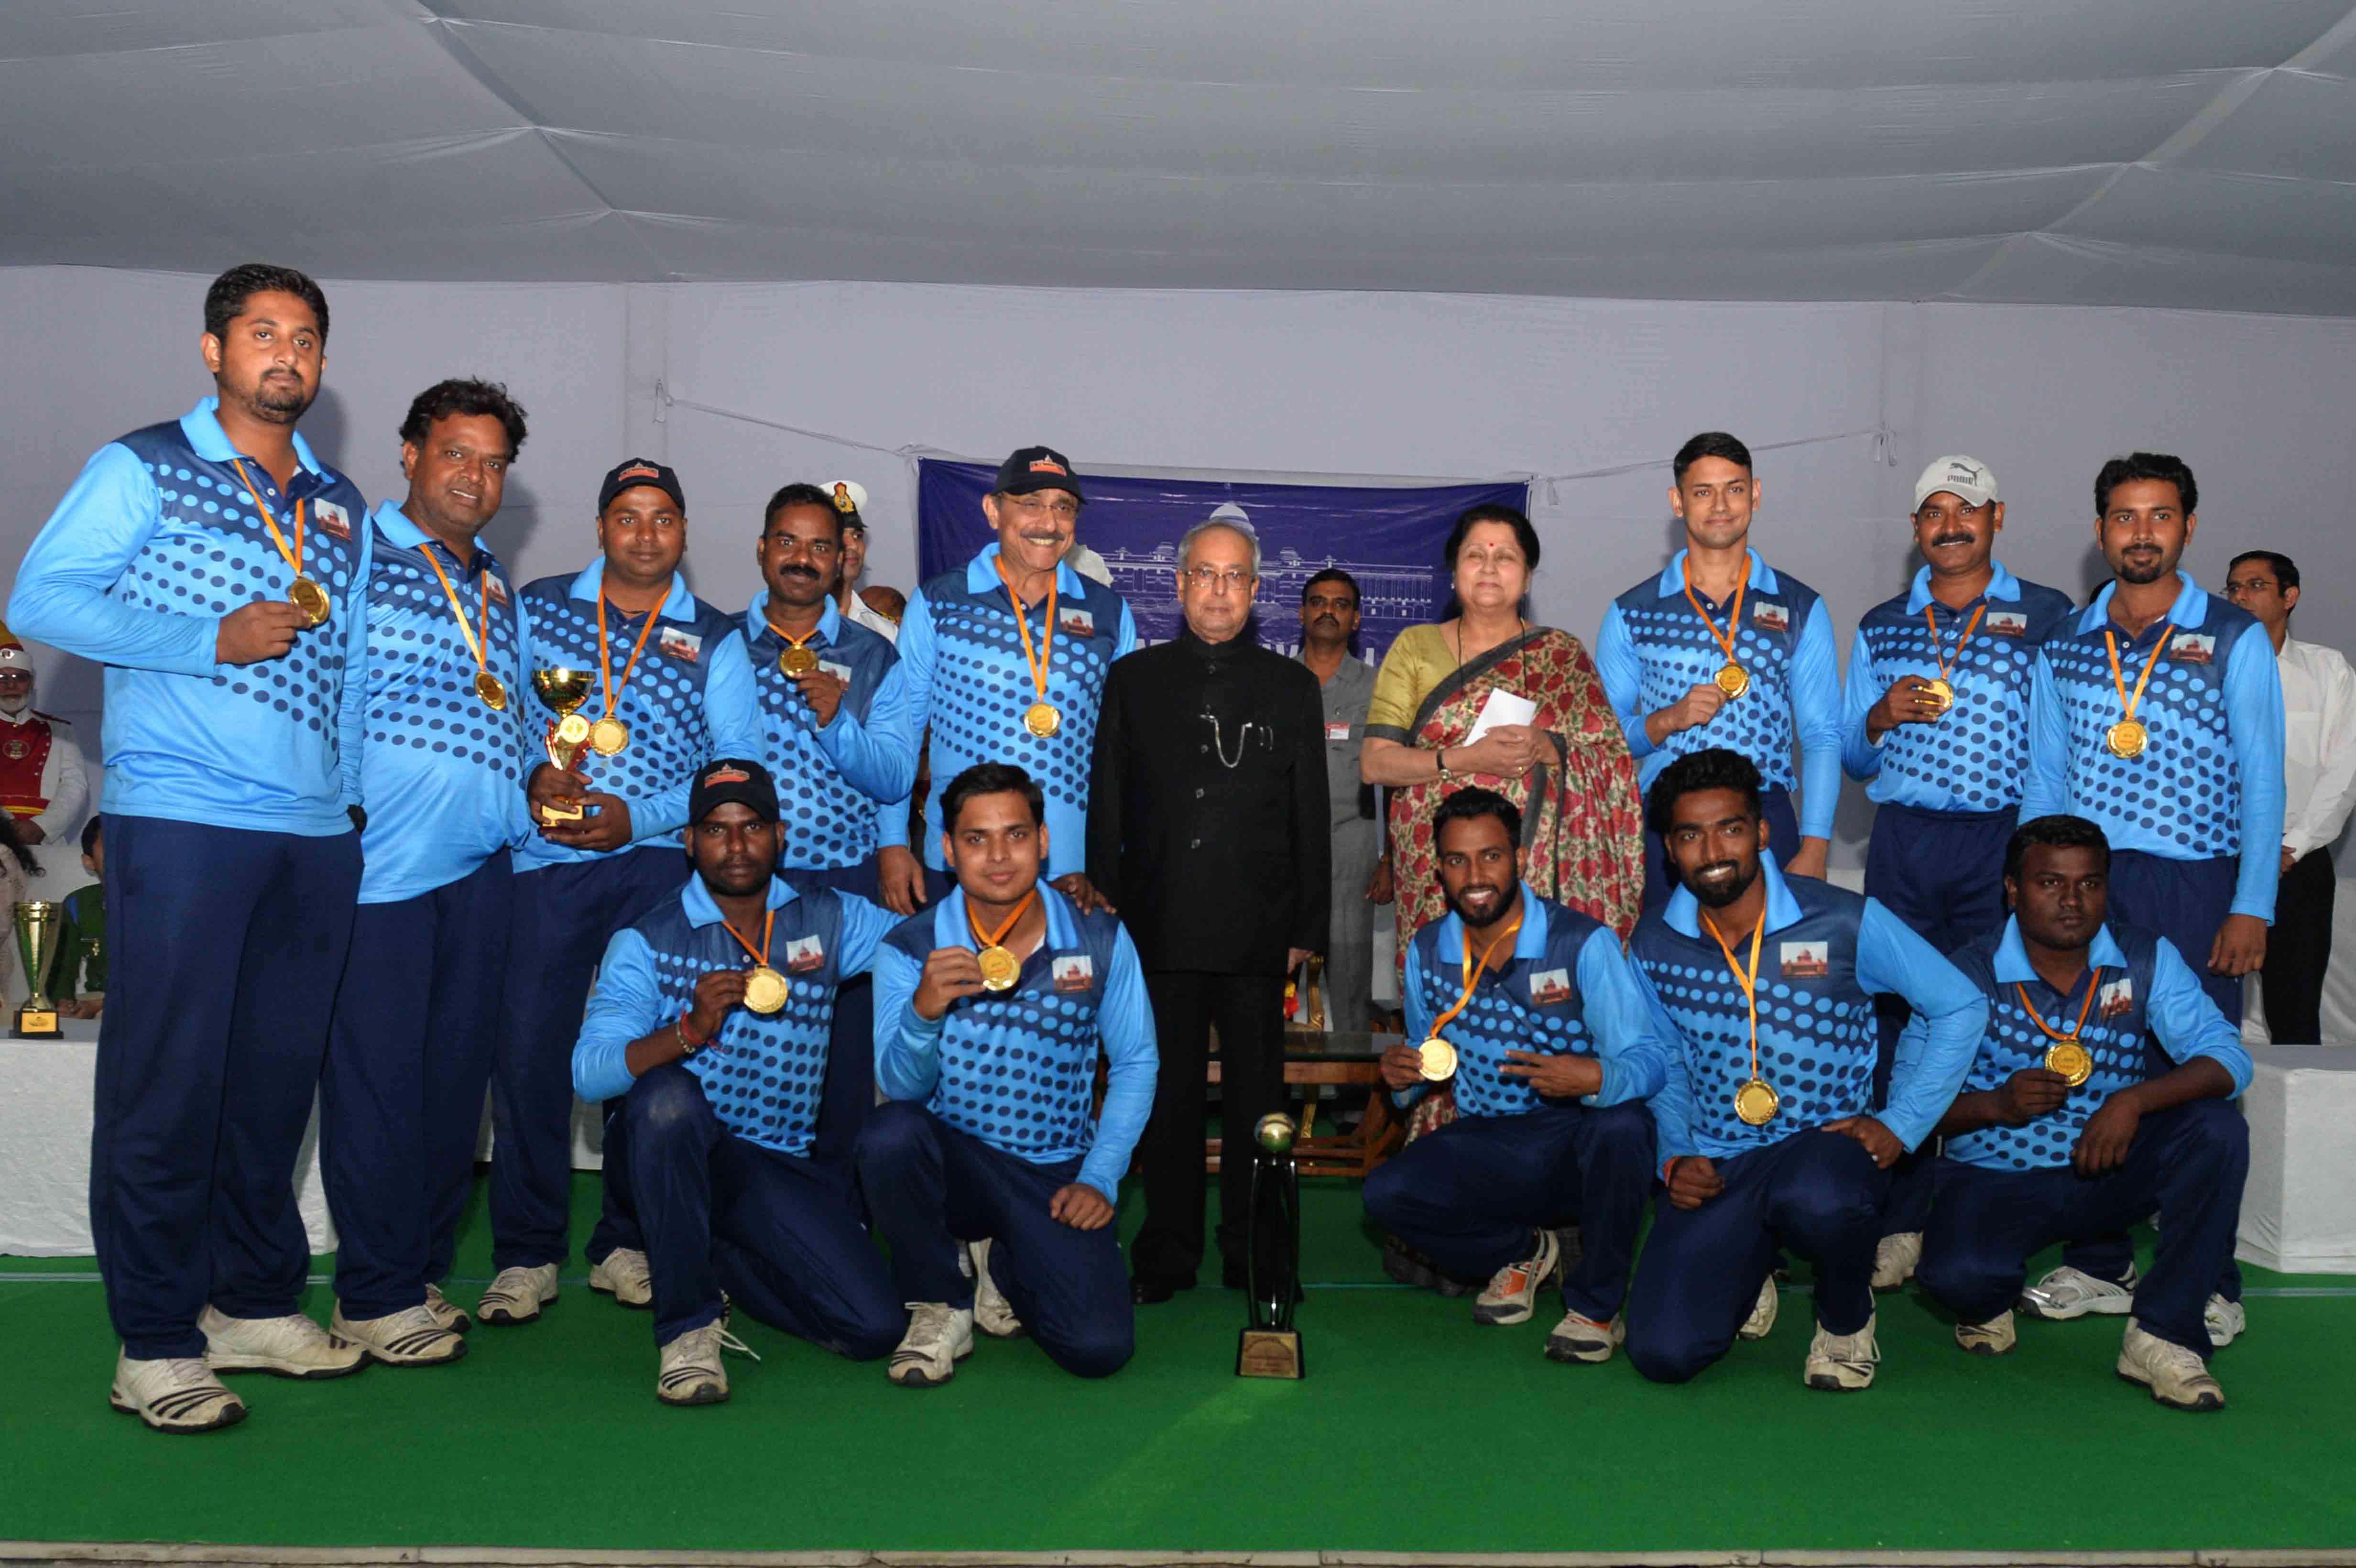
{"x": 796, "y": 661}
{"x": 1942, "y": 693}
{"x": 999, "y": 968}
{"x": 309, "y": 598}
{"x": 765, "y": 989}
{"x": 1042, "y": 719}
{"x": 571, "y": 729}
{"x": 1938, "y": 689}
{"x": 1439, "y": 1057}
{"x": 2127, "y": 738}
{"x": 1733, "y": 680}
{"x": 1756, "y": 1103}
{"x": 492, "y": 690}
{"x": 1439, "y": 1060}
{"x": 608, "y": 735}
{"x": 2071, "y": 1059}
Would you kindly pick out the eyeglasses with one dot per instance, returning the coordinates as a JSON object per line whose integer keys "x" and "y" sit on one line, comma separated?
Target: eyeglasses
{"x": 1232, "y": 579}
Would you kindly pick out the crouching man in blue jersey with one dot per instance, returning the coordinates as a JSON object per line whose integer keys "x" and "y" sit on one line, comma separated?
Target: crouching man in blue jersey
{"x": 2066, "y": 1127}
{"x": 1765, "y": 985}
{"x": 984, "y": 1173}
{"x": 1554, "y": 1052}
{"x": 710, "y": 1021}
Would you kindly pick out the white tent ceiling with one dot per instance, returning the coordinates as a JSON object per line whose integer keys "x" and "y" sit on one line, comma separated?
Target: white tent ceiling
{"x": 2198, "y": 153}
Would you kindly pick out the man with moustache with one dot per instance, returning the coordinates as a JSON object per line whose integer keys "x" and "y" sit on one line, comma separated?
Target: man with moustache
{"x": 1935, "y": 724}
{"x": 2068, "y": 1122}
{"x": 1207, "y": 822}
{"x": 443, "y": 755}
{"x": 836, "y": 737}
{"x": 1362, "y": 874}
{"x": 1764, "y": 984}
{"x": 217, "y": 568}
{"x": 1552, "y": 1046}
{"x": 671, "y": 688}
{"x": 2157, "y": 715}
{"x": 1722, "y": 650}
{"x": 1006, "y": 659}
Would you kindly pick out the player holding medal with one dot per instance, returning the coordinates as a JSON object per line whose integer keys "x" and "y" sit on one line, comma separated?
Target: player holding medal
{"x": 1764, "y": 986}
{"x": 717, "y": 1058}
{"x": 2069, "y": 1125}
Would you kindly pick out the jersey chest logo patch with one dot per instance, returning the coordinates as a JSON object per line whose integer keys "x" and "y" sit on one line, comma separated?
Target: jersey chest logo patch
{"x": 1804, "y": 960}
{"x": 495, "y": 589}
{"x": 333, "y": 518}
{"x": 1548, "y": 987}
{"x": 804, "y": 956}
{"x": 2193, "y": 647}
{"x": 1076, "y": 623}
{"x": 2115, "y": 998}
{"x": 2006, "y": 624}
{"x": 1072, "y": 972}
{"x": 1769, "y": 616}
{"x": 684, "y": 646}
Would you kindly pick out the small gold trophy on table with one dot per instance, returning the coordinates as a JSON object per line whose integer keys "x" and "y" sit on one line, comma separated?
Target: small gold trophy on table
{"x": 38, "y": 922}
{"x": 1269, "y": 1346}
{"x": 562, "y": 691}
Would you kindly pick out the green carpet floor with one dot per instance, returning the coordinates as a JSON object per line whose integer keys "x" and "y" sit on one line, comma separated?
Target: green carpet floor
{"x": 1414, "y": 1432}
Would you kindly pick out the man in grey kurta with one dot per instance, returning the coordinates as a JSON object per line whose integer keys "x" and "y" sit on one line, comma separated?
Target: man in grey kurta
{"x": 1329, "y": 618}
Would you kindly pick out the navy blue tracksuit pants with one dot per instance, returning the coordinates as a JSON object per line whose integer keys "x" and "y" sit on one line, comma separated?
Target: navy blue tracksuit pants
{"x": 2188, "y": 1163}
{"x": 776, "y": 1231}
{"x": 227, "y": 945}
{"x": 1782, "y": 837}
{"x": 850, "y": 1090}
{"x": 565, "y": 916}
{"x": 1468, "y": 1195}
{"x": 931, "y": 1186}
{"x": 1817, "y": 1193}
{"x": 401, "y": 1100}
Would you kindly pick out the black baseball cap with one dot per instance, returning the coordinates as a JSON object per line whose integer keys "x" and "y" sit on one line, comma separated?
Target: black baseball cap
{"x": 633, "y": 472}
{"x": 732, "y": 779}
{"x": 1032, "y": 468}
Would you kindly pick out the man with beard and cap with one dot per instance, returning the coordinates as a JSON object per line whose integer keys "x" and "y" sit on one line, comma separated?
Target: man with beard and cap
{"x": 710, "y": 1025}
{"x": 671, "y": 688}
{"x": 444, "y": 752}
{"x": 1362, "y": 874}
{"x": 1533, "y": 1012}
{"x": 2069, "y": 1122}
{"x": 1935, "y": 724}
{"x": 848, "y": 500}
{"x": 1764, "y": 986}
{"x": 1006, "y": 659}
{"x": 837, "y": 740}
{"x": 215, "y": 567}
{"x": 41, "y": 779}
{"x": 2158, "y": 716}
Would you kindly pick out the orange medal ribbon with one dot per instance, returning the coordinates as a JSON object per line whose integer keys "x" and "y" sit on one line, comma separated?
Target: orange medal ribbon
{"x": 479, "y": 645}
{"x": 1472, "y": 972}
{"x": 605, "y": 657}
{"x": 1745, "y": 1102}
{"x": 2048, "y": 1029}
{"x": 293, "y": 555}
{"x": 1947, "y": 660}
{"x": 1733, "y": 618}
{"x": 1038, "y": 661}
{"x": 2128, "y": 737}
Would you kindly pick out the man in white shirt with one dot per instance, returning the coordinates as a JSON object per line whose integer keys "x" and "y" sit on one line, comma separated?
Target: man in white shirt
{"x": 2318, "y": 788}
{"x": 850, "y": 498}
{"x": 41, "y": 779}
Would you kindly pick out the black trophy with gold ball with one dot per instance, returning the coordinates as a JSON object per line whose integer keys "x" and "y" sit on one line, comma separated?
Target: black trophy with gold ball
{"x": 1270, "y": 1345}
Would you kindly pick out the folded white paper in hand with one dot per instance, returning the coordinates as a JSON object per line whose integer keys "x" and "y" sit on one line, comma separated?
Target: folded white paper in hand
{"x": 1502, "y": 708}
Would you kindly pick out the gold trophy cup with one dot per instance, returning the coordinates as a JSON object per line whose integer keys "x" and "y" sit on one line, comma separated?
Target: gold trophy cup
{"x": 38, "y": 922}
{"x": 562, "y": 691}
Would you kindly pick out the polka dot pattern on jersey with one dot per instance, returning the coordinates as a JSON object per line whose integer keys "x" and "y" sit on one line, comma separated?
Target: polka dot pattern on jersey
{"x": 1974, "y": 758}
{"x": 1677, "y": 652}
{"x": 2182, "y": 797}
{"x": 421, "y": 676}
{"x": 1500, "y": 1018}
{"x": 663, "y": 702}
{"x": 827, "y": 821}
{"x": 2014, "y": 1042}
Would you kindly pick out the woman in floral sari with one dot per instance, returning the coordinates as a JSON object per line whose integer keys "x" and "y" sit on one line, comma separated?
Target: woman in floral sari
{"x": 1567, "y": 767}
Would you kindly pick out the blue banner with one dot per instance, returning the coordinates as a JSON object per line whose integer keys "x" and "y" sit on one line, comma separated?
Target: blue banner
{"x": 1388, "y": 539}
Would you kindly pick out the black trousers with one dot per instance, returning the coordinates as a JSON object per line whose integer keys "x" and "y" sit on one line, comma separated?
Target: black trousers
{"x": 2298, "y": 949}
{"x": 1248, "y": 1011}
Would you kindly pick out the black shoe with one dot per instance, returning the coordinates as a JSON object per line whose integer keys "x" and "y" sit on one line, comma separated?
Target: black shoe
{"x": 1147, "y": 1291}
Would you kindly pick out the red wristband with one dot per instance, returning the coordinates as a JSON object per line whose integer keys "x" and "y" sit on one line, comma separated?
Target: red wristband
{"x": 686, "y": 1038}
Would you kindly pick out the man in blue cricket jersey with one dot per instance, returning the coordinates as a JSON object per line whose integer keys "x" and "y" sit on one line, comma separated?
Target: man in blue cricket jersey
{"x": 439, "y": 734}
{"x": 216, "y": 568}
{"x": 1765, "y": 985}
{"x": 1936, "y": 722}
{"x": 2066, "y": 1124}
{"x": 669, "y": 689}
{"x": 987, "y": 1178}
{"x": 2157, "y": 715}
{"x": 1722, "y": 650}
{"x": 1006, "y": 659}
{"x": 1552, "y": 1048}
{"x": 710, "y": 1025}
{"x": 836, "y": 737}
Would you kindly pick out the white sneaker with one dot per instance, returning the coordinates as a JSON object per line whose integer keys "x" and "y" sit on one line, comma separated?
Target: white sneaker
{"x": 992, "y": 1312}
{"x": 446, "y": 1315}
{"x": 1762, "y": 1312}
{"x": 1842, "y": 1363}
{"x": 1894, "y": 1257}
{"x": 691, "y": 1373}
{"x": 2225, "y": 1320}
{"x": 2177, "y": 1377}
{"x": 938, "y": 1337}
{"x": 1583, "y": 1339}
{"x": 516, "y": 1295}
{"x": 624, "y": 1277}
{"x": 2068, "y": 1293}
{"x": 1511, "y": 1293}
{"x": 288, "y": 1346}
{"x": 1996, "y": 1337}
{"x": 413, "y": 1338}
{"x": 179, "y": 1394}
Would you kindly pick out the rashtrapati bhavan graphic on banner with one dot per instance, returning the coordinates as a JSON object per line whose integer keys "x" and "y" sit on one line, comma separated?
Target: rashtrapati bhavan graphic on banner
{"x": 1388, "y": 538}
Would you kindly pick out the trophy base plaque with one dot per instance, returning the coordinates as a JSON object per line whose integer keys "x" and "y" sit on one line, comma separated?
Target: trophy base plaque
{"x": 31, "y": 1025}
{"x": 1270, "y": 1353}
{"x": 552, "y": 813}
